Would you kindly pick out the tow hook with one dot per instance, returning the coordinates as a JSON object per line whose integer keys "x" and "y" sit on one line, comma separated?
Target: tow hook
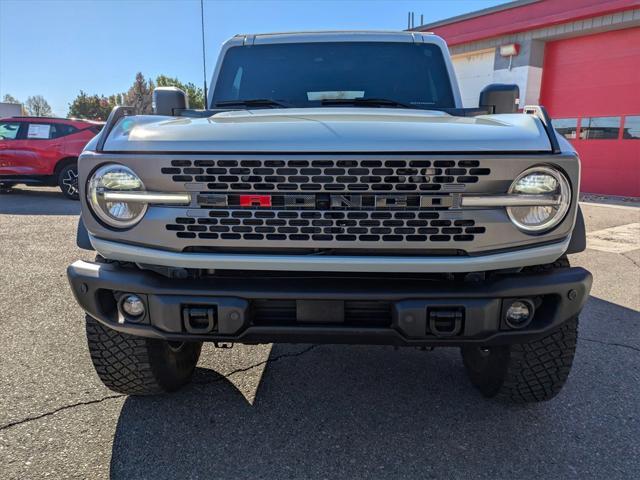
{"x": 445, "y": 321}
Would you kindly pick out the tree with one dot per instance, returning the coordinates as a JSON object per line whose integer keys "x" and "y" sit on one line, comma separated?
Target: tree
{"x": 139, "y": 96}
{"x": 195, "y": 94}
{"x": 8, "y": 98}
{"x": 37, "y": 106}
{"x": 116, "y": 99}
{"x": 92, "y": 107}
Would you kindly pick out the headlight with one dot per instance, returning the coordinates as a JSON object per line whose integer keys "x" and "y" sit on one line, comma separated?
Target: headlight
{"x": 115, "y": 178}
{"x": 540, "y": 181}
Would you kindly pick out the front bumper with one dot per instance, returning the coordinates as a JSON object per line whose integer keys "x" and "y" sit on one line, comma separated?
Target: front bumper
{"x": 318, "y": 308}
{"x": 538, "y": 255}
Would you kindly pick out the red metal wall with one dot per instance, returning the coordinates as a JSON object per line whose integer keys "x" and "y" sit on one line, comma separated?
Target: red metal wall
{"x": 525, "y": 17}
{"x": 597, "y": 76}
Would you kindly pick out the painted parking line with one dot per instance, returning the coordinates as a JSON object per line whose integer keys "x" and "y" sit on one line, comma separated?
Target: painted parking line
{"x": 631, "y": 206}
{"x": 621, "y": 239}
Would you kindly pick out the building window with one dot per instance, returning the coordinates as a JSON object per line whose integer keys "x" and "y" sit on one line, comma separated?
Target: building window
{"x": 567, "y": 127}
{"x": 598, "y": 128}
{"x": 631, "y": 127}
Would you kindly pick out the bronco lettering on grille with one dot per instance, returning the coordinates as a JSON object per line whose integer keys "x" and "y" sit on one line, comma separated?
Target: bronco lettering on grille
{"x": 331, "y": 202}
{"x": 349, "y": 201}
{"x": 255, "y": 200}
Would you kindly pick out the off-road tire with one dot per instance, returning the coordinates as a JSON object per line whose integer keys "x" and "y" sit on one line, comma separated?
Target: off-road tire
{"x": 139, "y": 366}
{"x": 534, "y": 371}
{"x": 6, "y": 188}
{"x": 68, "y": 181}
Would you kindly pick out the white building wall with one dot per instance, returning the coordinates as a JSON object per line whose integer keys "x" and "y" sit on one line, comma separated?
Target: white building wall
{"x": 474, "y": 72}
{"x": 10, "y": 109}
{"x": 528, "y": 79}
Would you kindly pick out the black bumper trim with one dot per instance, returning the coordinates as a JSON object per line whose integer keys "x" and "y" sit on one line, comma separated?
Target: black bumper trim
{"x": 560, "y": 293}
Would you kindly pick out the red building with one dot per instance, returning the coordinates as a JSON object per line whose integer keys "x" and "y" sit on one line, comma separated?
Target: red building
{"x": 578, "y": 58}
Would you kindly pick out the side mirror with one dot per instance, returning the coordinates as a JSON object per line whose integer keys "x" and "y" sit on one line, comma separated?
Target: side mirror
{"x": 500, "y": 98}
{"x": 168, "y": 99}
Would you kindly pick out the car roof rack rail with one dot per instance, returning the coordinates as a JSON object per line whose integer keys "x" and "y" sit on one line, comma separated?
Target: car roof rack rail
{"x": 541, "y": 112}
{"x": 116, "y": 114}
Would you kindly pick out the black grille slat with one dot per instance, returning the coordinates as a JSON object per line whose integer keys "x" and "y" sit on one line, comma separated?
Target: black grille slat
{"x": 345, "y": 227}
{"x": 327, "y": 175}
{"x": 393, "y": 205}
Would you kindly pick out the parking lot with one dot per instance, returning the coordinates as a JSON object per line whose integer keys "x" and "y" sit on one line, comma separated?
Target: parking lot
{"x": 304, "y": 411}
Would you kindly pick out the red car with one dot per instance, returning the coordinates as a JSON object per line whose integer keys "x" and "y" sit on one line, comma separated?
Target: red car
{"x": 43, "y": 151}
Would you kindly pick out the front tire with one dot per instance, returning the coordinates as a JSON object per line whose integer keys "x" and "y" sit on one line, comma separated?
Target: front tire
{"x": 527, "y": 372}
{"x": 6, "y": 187}
{"x": 68, "y": 181}
{"x": 139, "y": 366}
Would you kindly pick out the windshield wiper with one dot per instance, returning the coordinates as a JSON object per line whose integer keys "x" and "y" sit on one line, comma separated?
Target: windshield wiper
{"x": 252, "y": 102}
{"x": 365, "y": 102}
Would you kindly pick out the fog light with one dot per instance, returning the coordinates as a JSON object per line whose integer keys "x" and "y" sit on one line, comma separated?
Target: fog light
{"x": 133, "y": 306}
{"x": 519, "y": 314}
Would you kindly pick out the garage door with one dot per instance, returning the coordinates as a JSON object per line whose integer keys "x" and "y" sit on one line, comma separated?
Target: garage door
{"x": 591, "y": 87}
{"x": 474, "y": 72}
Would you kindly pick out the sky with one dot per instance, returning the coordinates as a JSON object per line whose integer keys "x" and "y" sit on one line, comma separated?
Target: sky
{"x": 56, "y": 48}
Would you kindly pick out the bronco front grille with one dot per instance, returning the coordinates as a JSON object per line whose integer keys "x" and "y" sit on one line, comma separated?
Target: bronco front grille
{"x": 325, "y": 204}
{"x": 326, "y": 227}
{"x": 390, "y": 202}
{"x": 327, "y": 175}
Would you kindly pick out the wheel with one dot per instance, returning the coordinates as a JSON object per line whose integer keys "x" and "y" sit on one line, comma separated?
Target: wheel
{"x": 6, "y": 187}
{"x": 139, "y": 366}
{"x": 68, "y": 181}
{"x": 524, "y": 372}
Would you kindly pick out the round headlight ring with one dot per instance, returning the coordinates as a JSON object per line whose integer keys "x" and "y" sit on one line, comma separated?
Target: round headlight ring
{"x": 128, "y": 182}
{"x": 563, "y": 191}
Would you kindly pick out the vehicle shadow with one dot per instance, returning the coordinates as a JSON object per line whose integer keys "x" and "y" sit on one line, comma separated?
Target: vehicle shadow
{"x": 37, "y": 201}
{"x": 372, "y": 412}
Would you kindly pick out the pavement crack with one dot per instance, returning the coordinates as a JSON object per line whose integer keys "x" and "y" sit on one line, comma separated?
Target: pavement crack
{"x": 59, "y": 409}
{"x": 256, "y": 365}
{"x": 625, "y": 255}
{"x": 15, "y": 423}
{"x": 613, "y": 344}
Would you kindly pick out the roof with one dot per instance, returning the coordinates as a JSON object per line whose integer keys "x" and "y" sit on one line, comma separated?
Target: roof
{"x": 336, "y": 36}
{"x": 474, "y": 14}
{"x": 32, "y": 117}
{"x": 329, "y": 32}
{"x": 519, "y": 16}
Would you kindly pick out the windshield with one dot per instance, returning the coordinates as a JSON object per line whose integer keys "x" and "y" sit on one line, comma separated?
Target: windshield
{"x": 313, "y": 74}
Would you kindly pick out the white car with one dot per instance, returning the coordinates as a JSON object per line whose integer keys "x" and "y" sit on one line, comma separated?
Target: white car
{"x": 334, "y": 191}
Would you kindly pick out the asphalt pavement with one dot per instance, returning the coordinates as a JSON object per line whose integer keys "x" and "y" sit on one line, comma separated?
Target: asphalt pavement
{"x": 303, "y": 411}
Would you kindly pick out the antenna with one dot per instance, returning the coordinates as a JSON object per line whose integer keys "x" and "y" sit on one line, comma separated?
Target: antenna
{"x": 411, "y": 20}
{"x": 204, "y": 58}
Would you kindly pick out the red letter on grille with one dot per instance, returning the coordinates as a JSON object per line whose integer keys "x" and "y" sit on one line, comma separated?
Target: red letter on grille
{"x": 255, "y": 200}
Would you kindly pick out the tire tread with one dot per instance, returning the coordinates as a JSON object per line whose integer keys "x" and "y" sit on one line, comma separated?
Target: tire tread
{"x": 538, "y": 370}
{"x": 125, "y": 363}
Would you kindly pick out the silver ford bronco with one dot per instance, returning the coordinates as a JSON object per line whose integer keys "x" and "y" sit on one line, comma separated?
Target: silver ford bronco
{"x": 334, "y": 191}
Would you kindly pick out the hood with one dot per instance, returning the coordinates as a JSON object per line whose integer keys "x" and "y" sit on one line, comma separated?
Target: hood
{"x": 336, "y": 129}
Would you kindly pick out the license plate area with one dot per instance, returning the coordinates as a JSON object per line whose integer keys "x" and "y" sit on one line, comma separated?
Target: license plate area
{"x": 320, "y": 311}
{"x": 310, "y": 312}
